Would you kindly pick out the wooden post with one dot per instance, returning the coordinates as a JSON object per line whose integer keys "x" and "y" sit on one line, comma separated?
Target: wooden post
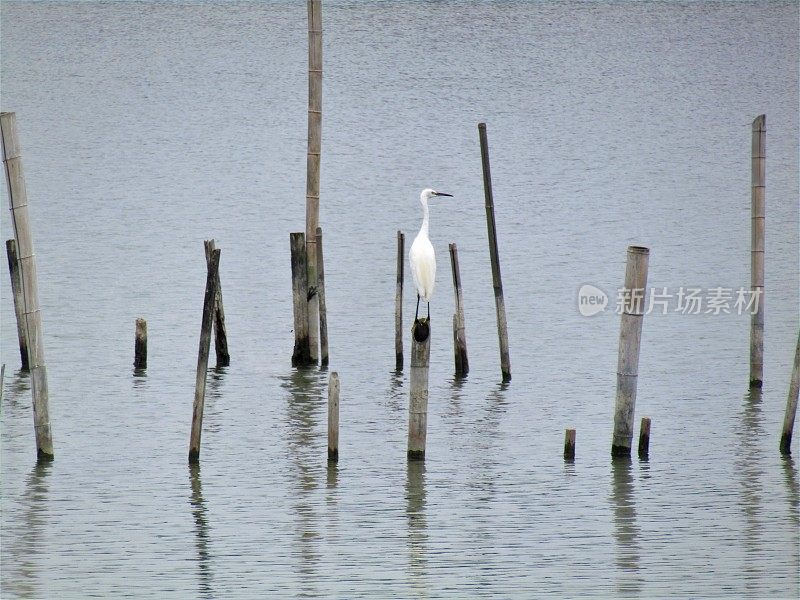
{"x": 20, "y": 220}
{"x": 140, "y": 345}
{"x": 502, "y": 326}
{"x": 220, "y": 330}
{"x": 209, "y": 302}
{"x": 398, "y": 303}
{"x": 418, "y": 404}
{"x": 569, "y": 445}
{"x": 791, "y": 403}
{"x": 333, "y": 417}
{"x": 644, "y": 438}
{"x": 301, "y": 355}
{"x": 630, "y": 335}
{"x": 323, "y": 305}
{"x": 312, "y": 167}
{"x": 19, "y": 303}
{"x": 459, "y": 333}
{"x": 757, "y": 250}
{"x": 2, "y": 384}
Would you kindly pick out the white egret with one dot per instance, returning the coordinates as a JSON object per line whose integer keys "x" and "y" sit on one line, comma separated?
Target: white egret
{"x": 422, "y": 256}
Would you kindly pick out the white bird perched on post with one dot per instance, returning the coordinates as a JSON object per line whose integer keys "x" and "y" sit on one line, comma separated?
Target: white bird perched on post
{"x": 422, "y": 256}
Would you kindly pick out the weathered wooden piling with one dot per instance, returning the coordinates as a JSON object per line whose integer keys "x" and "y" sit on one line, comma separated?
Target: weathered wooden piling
{"x": 2, "y": 384}
{"x": 301, "y": 355}
{"x": 20, "y": 220}
{"x": 323, "y": 305}
{"x": 312, "y": 167}
{"x": 19, "y": 303}
{"x": 418, "y": 403}
{"x": 333, "y": 417}
{"x": 398, "y": 302}
{"x": 459, "y": 332}
{"x": 759, "y": 154}
{"x": 630, "y": 335}
{"x": 220, "y": 330}
{"x": 140, "y": 345}
{"x": 644, "y": 438}
{"x": 502, "y": 326}
{"x": 202, "y": 355}
{"x": 569, "y": 444}
{"x": 791, "y": 403}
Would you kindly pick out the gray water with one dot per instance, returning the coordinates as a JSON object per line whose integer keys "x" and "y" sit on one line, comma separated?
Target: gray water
{"x": 149, "y": 126}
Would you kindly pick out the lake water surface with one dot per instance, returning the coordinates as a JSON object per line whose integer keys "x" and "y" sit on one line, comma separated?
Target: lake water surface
{"x": 147, "y": 127}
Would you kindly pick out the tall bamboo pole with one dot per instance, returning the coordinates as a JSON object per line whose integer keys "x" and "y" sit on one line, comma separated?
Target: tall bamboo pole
{"x": 791, "y": 403}
{"x": 19, "y": 301}
{"x": 630, "y": 336}
{"x": 18, "y": 200}
{"x": 209, "y": 301}
{"x": 313, "y": 166}
{"x": 333, "y": 417}
{"x": 758, "y": 168}
{"x": 497, "y": 281}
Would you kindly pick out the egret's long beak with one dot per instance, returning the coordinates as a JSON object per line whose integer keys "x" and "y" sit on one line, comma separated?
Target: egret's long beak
{"x": 443, "y": 194}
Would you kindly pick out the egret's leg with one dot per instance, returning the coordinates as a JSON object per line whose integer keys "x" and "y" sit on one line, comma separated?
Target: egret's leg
{"x": 429, "y": 311}
{"x": 416, "y": 312}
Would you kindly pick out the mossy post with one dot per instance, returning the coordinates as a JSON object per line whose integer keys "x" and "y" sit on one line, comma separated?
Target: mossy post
{"x": 459, "y": 332}
{"x": 569, "y": 445}
{"x": 323, "y": 305}
{"x": 791, "y": 403}
{"x": 759, "y": 159}
{"x": 398, "y": 303}
{"x": 497, "y": 281}
{"x": 418, "y": 402}
{"x": 209, "y": 301}
{"x": 140, "y": 345}
{"x": 333, "y": 417}
{"x": 19, "y": 302}
{"x": 301, "y": 356}
{"x": 644, "y": 438}
{"x": 20, "y": 221}
{"x": 630, "y": 335}
{"x": 220, "y": 330}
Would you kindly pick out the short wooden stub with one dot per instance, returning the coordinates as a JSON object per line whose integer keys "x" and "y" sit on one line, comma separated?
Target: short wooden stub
{"x": 644, "y": 438}
{"x": 19, "y": 303}
{"x": 323, "y": 305}
{"x": 301, "y": 356}
{"x": 791, "y": 403}
{"x": 398, "y": 302}
{"x": 459, "y": 333}
{"x": 758, "y": 168}
{"x": 497, "y": 280}
{"x": 333, "y": 417}
{"x": 630, "y": 335}
{"x": 20, "y": 221}
{"x": 569, "y": 444}
{"x": 202, "y": 356}
{"x": 418, "y": 403}
{"x": 140, "y": 345}
{"x": 220, "y": 330}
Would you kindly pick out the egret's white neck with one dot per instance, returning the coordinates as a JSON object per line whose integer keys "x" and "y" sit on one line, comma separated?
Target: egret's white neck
{"x": 424, "y": 228}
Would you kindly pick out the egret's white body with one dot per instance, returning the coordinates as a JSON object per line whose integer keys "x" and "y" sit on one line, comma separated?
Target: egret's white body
{"x": 421, "y": 256}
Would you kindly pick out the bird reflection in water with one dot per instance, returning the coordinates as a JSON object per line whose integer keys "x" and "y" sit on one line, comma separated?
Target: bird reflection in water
{"x": 417, "y": 527}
